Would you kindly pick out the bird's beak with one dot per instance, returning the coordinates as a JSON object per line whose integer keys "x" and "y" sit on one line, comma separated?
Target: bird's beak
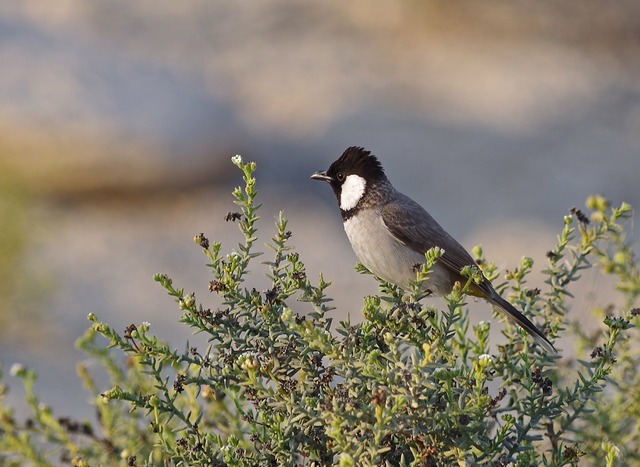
{"x": 321, "y": 175}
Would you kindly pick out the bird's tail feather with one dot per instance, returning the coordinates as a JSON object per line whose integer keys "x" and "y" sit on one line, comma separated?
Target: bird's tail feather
{"x": 522, "y": 321}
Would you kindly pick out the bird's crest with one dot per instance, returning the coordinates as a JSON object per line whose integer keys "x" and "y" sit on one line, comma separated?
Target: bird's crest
{"x": 359, "y": 161}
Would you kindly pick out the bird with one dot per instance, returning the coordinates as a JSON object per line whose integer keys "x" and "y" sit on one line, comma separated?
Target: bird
{"x": 390, "y": 234}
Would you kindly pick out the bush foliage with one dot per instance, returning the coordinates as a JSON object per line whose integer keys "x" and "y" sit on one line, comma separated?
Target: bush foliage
{"x": 278, "y": 384}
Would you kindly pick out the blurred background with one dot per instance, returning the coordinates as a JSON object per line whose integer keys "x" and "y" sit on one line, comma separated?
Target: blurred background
{"x": 118, "y": 120}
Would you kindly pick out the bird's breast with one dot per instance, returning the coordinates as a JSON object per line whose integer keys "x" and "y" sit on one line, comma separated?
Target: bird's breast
{"x": 385, "y": 256}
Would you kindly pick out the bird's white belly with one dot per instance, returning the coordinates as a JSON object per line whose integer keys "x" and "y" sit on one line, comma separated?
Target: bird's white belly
{"x": 385, "y": 256}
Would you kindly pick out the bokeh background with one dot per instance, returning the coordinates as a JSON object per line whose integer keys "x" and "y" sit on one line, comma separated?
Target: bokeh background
{"x": 118, "y": 120}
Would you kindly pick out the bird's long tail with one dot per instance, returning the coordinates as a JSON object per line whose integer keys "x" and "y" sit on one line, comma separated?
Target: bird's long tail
{"x": 522, "y": 321}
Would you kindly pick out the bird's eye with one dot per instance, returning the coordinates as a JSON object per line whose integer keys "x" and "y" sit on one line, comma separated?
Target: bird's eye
{"x": 340, "y": 176}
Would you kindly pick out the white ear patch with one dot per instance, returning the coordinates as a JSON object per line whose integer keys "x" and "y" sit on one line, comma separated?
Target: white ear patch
{"x": 352, "y": 190}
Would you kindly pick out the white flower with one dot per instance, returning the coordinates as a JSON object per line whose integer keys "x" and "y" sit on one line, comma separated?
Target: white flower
{"x": 248, "y": 360}
{"x": 485, "y": 359}
{"x": 187, "y": 301}
{"x": 16, "y": 369}
{"x": 146, "y": 324}
{"x": 237, "y": 159}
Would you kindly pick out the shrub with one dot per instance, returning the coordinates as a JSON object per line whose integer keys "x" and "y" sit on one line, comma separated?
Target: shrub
{"x": 278, "y": 384}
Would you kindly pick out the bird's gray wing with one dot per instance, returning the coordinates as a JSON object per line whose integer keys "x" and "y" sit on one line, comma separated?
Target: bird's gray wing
{"x": 412, "y": 225}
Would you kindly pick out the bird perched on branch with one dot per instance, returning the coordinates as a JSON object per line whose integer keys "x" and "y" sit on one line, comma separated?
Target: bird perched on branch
{"x": 390, "y": 233}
